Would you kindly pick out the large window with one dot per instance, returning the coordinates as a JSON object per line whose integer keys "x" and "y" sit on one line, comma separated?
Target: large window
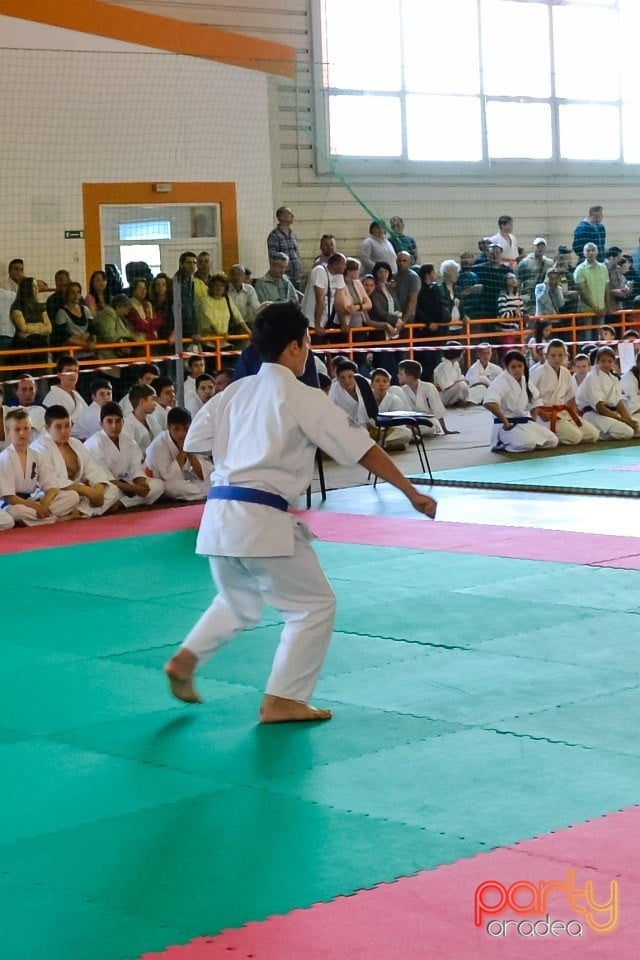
{"x": 479, "y": 80}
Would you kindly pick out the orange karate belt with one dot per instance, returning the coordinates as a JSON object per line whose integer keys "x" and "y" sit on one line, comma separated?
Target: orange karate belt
{"x": 553, "y": 411}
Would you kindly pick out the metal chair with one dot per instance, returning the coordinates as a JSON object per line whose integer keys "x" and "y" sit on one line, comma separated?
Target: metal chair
{"x": 413, "y": 420}
{"x": 323, "y": 489}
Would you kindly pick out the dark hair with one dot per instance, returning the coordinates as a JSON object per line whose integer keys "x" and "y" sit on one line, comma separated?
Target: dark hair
{"x": 160, "y": 384}
{"x": 425, "y": 270}
{"x": 344, "y": 364}
{"x": 336, "y": 258}
{"x": 538, "y": 328}
{"x": 556, "y": 343}
{"x": 183, "y": 256}
{"x": 605, "y": 352}
{"x": 27, "y": 302}
{"x": 327, "y": 236}
{"x": 323, "y": 380}
{"x": 504, "y": 220}
{"x": 204, "y": 253}
{"x": 452, "y": 350}
{"x": 613, "y": 252}
{"x": 281, "y": 210}
{"x": 608, "y": 328}
{"x": 277, "y": 326}
{"x": 100, "y": 384}
{"x": 630, "y": 335}
{"x": 380, "y": 372}
{"x": 138, "y": 392}
{"x": 14, "y": 262}
{"x": 595, "y": 209}
{"x": 376, "y": 223}
{"x": 517, "y": 355}
{"x": 152, "y": 288}
{"x": 379, "y": 266}
{"x": 203, "y": 378}
{"x": 191, "y": 359}
{"x": 55, "y": 412}
{"x": 105, "y": 292}
{"x": 66, "y": 362}
{"x": 148, "y": 368}
{"x": 178, "y": 416}
{"x": 110, "y": 409}
{"x": 412, "y": 367}
{"x": 218, "y": 278}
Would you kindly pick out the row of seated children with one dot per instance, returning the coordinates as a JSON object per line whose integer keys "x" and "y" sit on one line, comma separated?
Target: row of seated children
{"x": 545, "y": 407}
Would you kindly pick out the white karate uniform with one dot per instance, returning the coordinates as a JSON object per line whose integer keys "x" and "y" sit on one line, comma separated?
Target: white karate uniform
{"x": 353, "y": 407}
{"x": 88, "y": 472}
{"x": 31, "y": 484}
{"x": 88, "y": 422}
{"x": 575, "y": 385}
{"x": 631, "y": 392}
{"x": 445, "y": 377}
{"x": 6, "y": 520}
{"x": 36, "y": 418}
{"x": 72, "y": 402}
{"x": 189, "y": 390}
{"x": 124, "y": 462}
{"x": 397, "y": 438}
{"x": 513, "y": 400}
{"x": 599, "y": 387}
{"x": 263, "y": 431}
{"x": 159, "y": 417}
{"x": 125, "y": 406}
{"x": 180, "y": 483}
{"x": 194, "y": 404}
{"x": 556, "y": 389}
{"x": 426, "y": 399}
{"x": 140, "y": 434}
{"x": 479, "y": 377}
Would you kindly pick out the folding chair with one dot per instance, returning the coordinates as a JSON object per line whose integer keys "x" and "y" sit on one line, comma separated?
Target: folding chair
{"x": 413, "y": 420}
{"x": 323, "y": 489}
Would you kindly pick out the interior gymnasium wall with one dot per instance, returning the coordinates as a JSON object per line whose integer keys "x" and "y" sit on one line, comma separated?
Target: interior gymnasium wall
{"x": 445, "y": 214}
{"x": 77, "y": 108}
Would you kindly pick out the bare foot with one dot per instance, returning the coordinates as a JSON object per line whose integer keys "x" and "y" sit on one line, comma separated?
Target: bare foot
{"x": 179, "y": 671}
{"x": 281, "y": 710}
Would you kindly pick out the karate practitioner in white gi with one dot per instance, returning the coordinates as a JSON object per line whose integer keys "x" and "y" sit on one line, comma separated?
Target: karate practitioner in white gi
{"x": 263, "y": 431}
{"x": 481, "y": 373}
{"x": 555, "y": 386}
{"x": 27, "y": 486}
{"x": 510, "y": 399}
{"x": 73, "y": 467}
{"x": 65, "y": 394}
{"x": 120, "y": 457}
{"x": 422, "y": 397}
{"x": 185, "y": 475}
{"x": 448, "y": 378}
{"x": 599, "y": 396}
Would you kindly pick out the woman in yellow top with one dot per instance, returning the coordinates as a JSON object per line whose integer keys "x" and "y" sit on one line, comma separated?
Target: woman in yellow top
{"x": 217, "y": 315}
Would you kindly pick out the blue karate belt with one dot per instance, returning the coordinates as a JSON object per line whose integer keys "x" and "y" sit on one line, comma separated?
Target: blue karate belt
{"x": 514, "y": 420}
{"x": 249, "y": 495}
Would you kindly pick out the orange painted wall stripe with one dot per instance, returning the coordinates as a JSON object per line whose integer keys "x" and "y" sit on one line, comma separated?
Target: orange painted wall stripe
{"x": 161, "y": 33}
{"x": 95, "y": 195}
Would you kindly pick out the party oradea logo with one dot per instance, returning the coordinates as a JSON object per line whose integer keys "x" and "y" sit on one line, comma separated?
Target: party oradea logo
{"x": 532, "y": 904}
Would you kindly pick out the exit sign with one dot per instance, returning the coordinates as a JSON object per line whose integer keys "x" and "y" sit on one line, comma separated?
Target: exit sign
{"x": 74, "y": 234}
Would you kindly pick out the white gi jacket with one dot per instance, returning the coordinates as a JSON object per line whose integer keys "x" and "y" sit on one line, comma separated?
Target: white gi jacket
{"x": 263, "y": 432}
{"x": 88, "y": 471}
{"x": 123, "y": 462}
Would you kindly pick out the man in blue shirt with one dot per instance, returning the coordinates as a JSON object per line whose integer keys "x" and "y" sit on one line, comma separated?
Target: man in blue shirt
{"x": 590, "y": 230}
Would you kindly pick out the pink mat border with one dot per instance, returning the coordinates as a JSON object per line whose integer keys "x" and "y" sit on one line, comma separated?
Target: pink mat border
{"x": 431, "y": 913}
{"x": 518, "y": 543}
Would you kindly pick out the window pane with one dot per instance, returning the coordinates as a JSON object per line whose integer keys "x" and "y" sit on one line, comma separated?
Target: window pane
{"x": 363, "y": 44}
{"x": 631, "y": 132}
{"x": 519, "y": 130}
{"x": 587, "y": 53}
{"x": 444, "y": 128}
{"x": 449, "y": 63}
{"x": 365, "y": 126}
{"x": 589, "y": 132}
{"x": 515, "y": 49}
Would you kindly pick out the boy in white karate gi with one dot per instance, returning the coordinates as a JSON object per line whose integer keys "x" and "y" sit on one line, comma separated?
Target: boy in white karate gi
{"x": 88, "y": 422}
{"x": 397, "y": 438}
{"x": 422, "y": 396}
{"x": 72, "y": 466}
{"x": 205, "y": 389}
{"x": 65, "y": 394}
{"x": 481, "y": 373}
{"x": 27, "y": 485}
{"x": 555, "y": 386}
{"x": 448, "y": 378}
{"x": 185, "y": 475}
{"x": 119, "y": 455}
{"x": 264, "y": 431}
{"x": 141, "y": 423}
{"x": 599, "y": 396}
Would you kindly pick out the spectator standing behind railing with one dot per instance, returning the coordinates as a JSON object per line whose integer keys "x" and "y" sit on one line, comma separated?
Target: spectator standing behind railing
{"x": 353, "y": 308}
{"x": 430, "y": 314}
{"x": 242, "y": 294}
{"x": 590, "y": 230}
{"x": 32, "y": 325}
{"x": 282, "y": 239}
{"x": 98, "y": 296}
{"x": 492, "y": 275}
{"x": 143, "y": 324}
{"x": 549, "y": 295}
{"x": 619, "y": 287}
{"x": 55, "y": 302}
{"x": 218, "y": 316}
{"x": 7, "y": 330}
{"x": 469, "y": 288}
{"x": 532, "y": 271}
{"x": 72, "y": 324}
{"x": 160, "y": 293}
{"x": 592, "y": 281}
{"x": 376, "y": 248}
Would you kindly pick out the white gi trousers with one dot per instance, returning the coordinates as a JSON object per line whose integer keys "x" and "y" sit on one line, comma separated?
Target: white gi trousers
{"x": 111, "y": 497}
{"x": 609, "y": 428}
{"x": 295, "y": 586}
{"x": 156, "y": 489}
{"x": 569, "y": 432}
{"x": 523, "y": 437}
{"x": 456, "y": 393}
{"x": 65, "y": 502}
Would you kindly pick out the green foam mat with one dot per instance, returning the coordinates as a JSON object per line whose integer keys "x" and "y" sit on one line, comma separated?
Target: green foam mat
{"x": 595, "y": 472}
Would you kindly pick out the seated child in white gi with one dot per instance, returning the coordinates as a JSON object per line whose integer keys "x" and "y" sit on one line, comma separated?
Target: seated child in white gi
{"x": 141, "y": 424}
{"x": 165, "y": 400}
{"x": 73, "y": 467}
{"x": 599, "y": 397}
{"x": 631, "y": 388}
{"x": 581, "y": 367}
{"x": 185, "y": 475}
{"x": 65, "y": 394}
{"x": 397, "y": 438}
{"x": 27, "y": 485}
{"x": 196, "y": 367}
{"x": 25, "y": 397}
{"x": 448, "y": 378}
{"x": 422, "y": 397}
{"x": 345, "y": 392}
{"x": 481, "y": 373}
{"x": 89, "y": 422}
{"x": 263, "y": 432}
{"x": 146, "y": 373}
{"x": 205, "y": 389}
{"x": 119, "y": 455}
{"x": 555, "y": 386}
{"x": 510, "y": 399}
